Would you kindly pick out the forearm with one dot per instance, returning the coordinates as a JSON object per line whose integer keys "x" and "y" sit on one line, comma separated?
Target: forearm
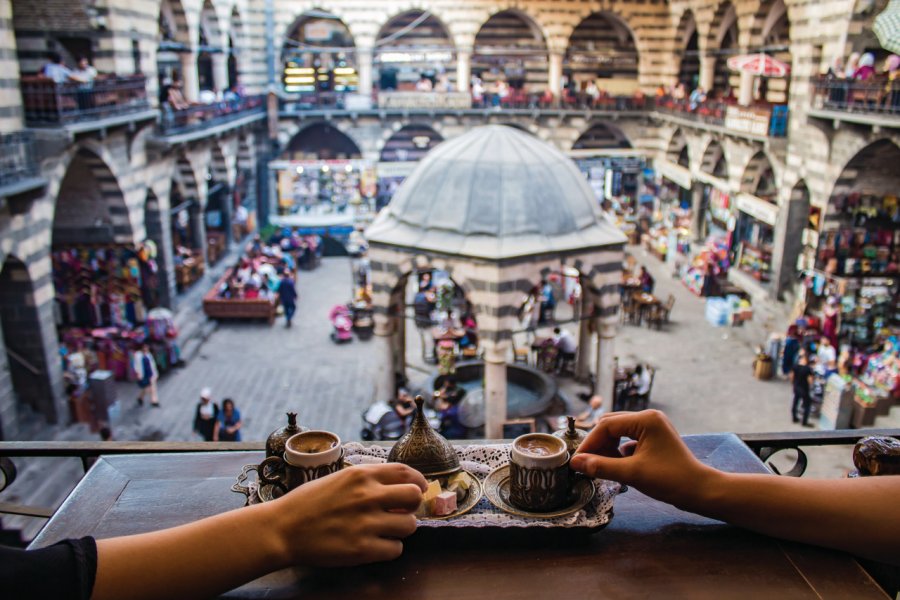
{"x": 808, "y": 510}
{"x": 197, "y": 560}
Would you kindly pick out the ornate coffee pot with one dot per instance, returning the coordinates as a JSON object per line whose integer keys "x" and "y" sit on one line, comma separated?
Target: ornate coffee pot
{"x": 571, "y": 436}
{"x": 424, "y": 449}
{"x": 277, "y": 439}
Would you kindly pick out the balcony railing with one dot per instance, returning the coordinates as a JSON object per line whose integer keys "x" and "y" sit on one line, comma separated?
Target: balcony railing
{"x": 17, "y": 161}
{"x": 876, "y": 97}
{"x": 762, "y": 120}
{"x": 206, "y": 116}
{"x": 56, "y": 104}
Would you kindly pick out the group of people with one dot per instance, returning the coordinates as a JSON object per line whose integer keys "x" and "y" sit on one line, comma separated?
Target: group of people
{"x": 172, "y": 95}
{"x": 82, "y": 77}
{"x": 862, "y": 67}
{"x": 813, "y": 364}
{"x": 215, "y": 424}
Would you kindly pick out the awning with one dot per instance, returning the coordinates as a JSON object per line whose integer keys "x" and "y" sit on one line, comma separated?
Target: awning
{"x": 757, "y": 208}
{"x": 887, "y": 27}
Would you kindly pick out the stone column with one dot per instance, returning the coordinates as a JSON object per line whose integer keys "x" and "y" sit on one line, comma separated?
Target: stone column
{"x": 191, "y": 88}
{"x": 463, "y": 69}
{"x": 696, "y": 204}
{"x": 745, "y": 96}
{"x": 220, "y": 71}
{"x": 707, "y": 71}
{"x": 364, "y": 67}
{"x": 583, "y": 363}
{"x": 606, "y": 363}
{"x": 494, "y": 389}
{"x": 384, "y": 358}
{"x": 554, "y": 81}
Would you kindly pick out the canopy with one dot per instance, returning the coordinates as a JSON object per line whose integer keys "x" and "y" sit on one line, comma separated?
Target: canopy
{"x": 887, "y": 27}
{"x": 759, "y": 64}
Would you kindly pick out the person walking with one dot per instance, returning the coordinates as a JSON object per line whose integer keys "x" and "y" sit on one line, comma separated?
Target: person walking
{"x": 228, "y": 425}
{"x": 145, "y": 367}
{"x": 287, "y": 293}
{"x": 801, "y": 377}
{"x": 207, "y": 416}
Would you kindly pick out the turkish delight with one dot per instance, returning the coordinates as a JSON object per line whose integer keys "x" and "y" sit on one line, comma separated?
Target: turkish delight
{"x": 444, "y": 504}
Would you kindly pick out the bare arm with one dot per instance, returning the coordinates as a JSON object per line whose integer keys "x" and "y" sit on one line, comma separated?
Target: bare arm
{"x": 860, "y": 516}
{"x": 352, "y": 517}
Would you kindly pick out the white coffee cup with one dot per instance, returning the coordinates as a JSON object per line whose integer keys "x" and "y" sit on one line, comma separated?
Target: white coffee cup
{"x": 296, "y": 456}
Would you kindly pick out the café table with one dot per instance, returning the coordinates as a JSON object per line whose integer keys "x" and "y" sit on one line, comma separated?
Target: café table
{"x": 649, "y": 550}
{"x": 645, "y": 302}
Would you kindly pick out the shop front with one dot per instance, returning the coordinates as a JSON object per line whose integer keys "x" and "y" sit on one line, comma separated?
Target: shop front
{"x": 669, "y": 233}
{"x": 617, "y": 178}
{"x": 323, "y": 187}
{"x": 752, "y": 244}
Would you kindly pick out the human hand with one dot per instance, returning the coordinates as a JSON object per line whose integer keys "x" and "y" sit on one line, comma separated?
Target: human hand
{"x": 655, "y": 461}
{"x": 357, "y": 515}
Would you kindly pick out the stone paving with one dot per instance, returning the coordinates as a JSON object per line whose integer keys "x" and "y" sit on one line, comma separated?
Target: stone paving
{"x": 703, "y": 380}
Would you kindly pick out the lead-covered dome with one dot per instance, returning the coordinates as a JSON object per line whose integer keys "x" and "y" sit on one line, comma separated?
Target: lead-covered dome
{"x": 495, "y": 192}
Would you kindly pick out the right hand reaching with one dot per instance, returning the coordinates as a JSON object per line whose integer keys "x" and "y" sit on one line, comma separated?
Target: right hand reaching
{"x": 357, "y": 515}
{"x": 655, "y": 461}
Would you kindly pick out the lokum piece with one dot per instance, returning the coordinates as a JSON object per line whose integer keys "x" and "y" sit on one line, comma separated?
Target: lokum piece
{"x": 458, "y": 484}
{"x": 444, "y": 504}
{"x": 877, "y": 456}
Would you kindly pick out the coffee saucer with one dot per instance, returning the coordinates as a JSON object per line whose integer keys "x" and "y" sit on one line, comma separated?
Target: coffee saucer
{"x": 496, "y": 488}
{"x": 472, "y": 498}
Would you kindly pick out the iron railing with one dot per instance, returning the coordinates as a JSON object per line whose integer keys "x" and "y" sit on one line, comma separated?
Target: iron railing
{"x": 763, "y": 119}
{"x": 877, "y": 96}
{"x": 205, "y": 116}
{"x": 17, "y": 161}
{"x": 709, "y": 112}
{"x": 52, "y": 104}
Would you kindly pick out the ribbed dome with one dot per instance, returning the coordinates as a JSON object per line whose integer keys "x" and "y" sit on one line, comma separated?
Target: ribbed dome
{"x": 495, "y": 192}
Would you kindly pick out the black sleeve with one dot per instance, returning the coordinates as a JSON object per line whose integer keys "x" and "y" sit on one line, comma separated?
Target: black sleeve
{"x": 63, "y": 571}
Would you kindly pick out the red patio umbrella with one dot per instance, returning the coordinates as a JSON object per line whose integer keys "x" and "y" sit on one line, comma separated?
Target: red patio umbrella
{"x": 759, "y": 64}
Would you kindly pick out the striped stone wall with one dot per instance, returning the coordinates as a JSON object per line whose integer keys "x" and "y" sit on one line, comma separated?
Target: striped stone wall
{"x": 10, "y": 99}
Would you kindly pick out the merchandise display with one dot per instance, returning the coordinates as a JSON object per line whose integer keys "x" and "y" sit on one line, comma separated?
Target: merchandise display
{"x": 866, "y": 240}
{"x": 109, "y": 285}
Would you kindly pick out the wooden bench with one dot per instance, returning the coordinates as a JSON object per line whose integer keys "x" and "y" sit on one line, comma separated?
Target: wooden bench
{"x": 237, "y": 308}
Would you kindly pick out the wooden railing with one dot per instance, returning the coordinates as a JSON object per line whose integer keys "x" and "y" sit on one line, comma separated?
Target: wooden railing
{"x": 48, "y": 103}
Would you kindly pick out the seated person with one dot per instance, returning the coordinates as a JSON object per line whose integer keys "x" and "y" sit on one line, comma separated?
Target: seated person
{"x": 448, "y": 399}
{"x": 589, "y": 418}
{"x": 565, "y": 342}
{"x": 395, "y": 422}
{"x": 471, "y": 328}
{"x": 639, "y": 385}
{"x": 647, "y": 281}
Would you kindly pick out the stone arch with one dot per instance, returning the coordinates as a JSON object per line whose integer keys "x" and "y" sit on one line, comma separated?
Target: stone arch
{"x": 157, "y": 230}
{"x": 603, "y": 44}
{"x": 24, "y": 347}
{"x": 714, "y": 161}
{"x": 173, "y": 23}
{"x": 687, "y": 48}
{"x": 724, "y": 40}
{"x": 317, "y": 39}
{"x": 411, "y": 44}
{"x": 410, "y": 143}
{"x": 512, "y": 46}
{"x": 759, "y": 178}
{"x": 90, "y": 206}
{"x": 678, "y": 149}
{"x": 321, "y": 141}
{"x": 209, "y": 44}
{"x": 237, "y": 44}
{"x": 871, "y": 170}
{"x": 601, "y": 136}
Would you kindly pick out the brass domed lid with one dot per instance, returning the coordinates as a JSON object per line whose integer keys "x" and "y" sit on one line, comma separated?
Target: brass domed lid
{"x": 424, "y": 449}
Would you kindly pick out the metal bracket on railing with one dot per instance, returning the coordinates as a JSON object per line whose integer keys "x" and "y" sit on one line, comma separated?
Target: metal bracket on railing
{"x": 797, "y": 470}
{"x": 7, "y": 472}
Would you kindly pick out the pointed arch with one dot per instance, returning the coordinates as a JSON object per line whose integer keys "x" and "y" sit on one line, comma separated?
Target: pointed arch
{"x": 687, "y": 44}
{"x": 677, "y": 149}
{"x": 319, "y": 54}
{"x": 758, "y": 178}
{"x": 173, "y": 25}
{"x": 413, "y": 44}
{"x": 90, "y": 206}
{"x": 321, "y": 141}
{"x": 410, "y": 143}
{"x": 511, "y": 46}
{"x": 724, "y": 37}
{"x": 601, "y": 136}
{"x": 603, "y": 45}
{"x": 714, "y": 161}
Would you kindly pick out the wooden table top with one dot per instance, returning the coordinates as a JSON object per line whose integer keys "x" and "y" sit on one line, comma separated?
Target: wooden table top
{"x": 649, "y": 550}
{"x": 645, "y": 298}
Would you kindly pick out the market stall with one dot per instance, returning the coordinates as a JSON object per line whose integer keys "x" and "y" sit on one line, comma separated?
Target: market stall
{"x": 754, "y": 237}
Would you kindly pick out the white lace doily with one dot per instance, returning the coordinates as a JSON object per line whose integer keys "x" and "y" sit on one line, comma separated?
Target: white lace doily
{"x": 480, "y": 460}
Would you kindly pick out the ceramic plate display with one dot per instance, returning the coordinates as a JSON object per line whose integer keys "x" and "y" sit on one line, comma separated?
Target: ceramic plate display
{"x": 469, "y": 502}
{"x": 496, "y": 488}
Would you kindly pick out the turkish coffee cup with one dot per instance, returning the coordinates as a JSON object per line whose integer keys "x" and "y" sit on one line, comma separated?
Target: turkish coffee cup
{"x": 539, "y": 476}
{"x": 307, "y": 456}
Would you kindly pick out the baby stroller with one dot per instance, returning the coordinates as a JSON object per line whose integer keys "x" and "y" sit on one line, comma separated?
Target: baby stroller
{"x": 381, "y": 422}
{"x": 342, "y": 324}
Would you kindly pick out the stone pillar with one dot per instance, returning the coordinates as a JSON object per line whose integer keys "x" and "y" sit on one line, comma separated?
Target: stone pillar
{"x": 220, "y": 71}
{"x": 463, "y": 69}
{"x": 191, "y": 88}
{"x": 494, "y": 389}
{"x": 745, "y": 96}
{"x": 554, "y": 81}
{"x": 583, "y": 362}
{"x": 707, "y": 71}
{"x": 364, "y": 67}
{"x": 273, "y": 193}
{"x": 158, "y": 223}
{"x": 384, "y": 359}
{"x": 198, "y": 230}
{"x": 696, "y": 205}
{"x": 606, "y": 363}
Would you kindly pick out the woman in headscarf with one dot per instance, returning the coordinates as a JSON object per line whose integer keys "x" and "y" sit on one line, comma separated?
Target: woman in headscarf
{"x": 892, "y": 86}
{"x": 852, "y": 65}
{"x": 866, "y": 68}
{"x": 836, "y": 70}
